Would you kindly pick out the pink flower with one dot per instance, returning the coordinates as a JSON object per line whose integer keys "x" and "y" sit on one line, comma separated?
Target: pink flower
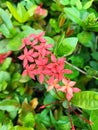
{"x": 42, "y": 69}
{"x": 30, "y": 70}
{"x": 43, "y": 49}
{"x": 28, "y": 56}
{"x": 54, "y": 84}
{"x": 57, "y": 69}
{"x": 41, "y": 12}
{"x": 38, "y": 37}
{"x": 68, "y": 88}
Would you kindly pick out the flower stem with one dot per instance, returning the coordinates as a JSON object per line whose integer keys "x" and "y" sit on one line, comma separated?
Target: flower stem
{"x": 82, "y": 71}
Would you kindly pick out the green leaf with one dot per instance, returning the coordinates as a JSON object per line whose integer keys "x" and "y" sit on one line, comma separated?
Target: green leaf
{"x": 9, "y": 105}
{"x": 13, "y": 11}
{"x": 67, "y": 46}
{"x": 74, "y": 14}
{"x": 6, "y": 63}
{"x": 53, "y": 120}
{"x": 94, "y": 119}
{"x": 49, "y": 99}
{"x": 21, "y": 128}
{"x": 63, "y": 123}
{"x": 88, "y": 4}
{"x": 16, "y": 42}
{"x": 4, "y": 76}
{"x": 22, "y": 13}
{"x": 85, "y": 38}
{"x": 79, "y": 4}
{"x": 95, "y": 55}
{"x": 24, "y": 79}
{"x": 3, "y": 85}
{"x": 43, "y": 118}
{"x": 5, "y": 31}
{"x": 6, "y": 27}
{"x": 6, "y": 18}
{"x": 31, "y": 10}
{"x": 28, "y": 120}
{"x": 77, "y": 60}
{"x": 64, "y": 2}
{"x": 3, "y": 46}
{"x": 86, "y": 100}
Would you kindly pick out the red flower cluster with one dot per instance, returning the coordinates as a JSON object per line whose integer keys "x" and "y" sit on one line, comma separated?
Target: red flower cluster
{"x": 39, "y": 61}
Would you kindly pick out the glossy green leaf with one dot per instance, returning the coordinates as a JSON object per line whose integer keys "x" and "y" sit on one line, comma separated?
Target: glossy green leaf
{"x": 43, "y": 118}
{"x": 86, "y": 100}
{"x": 4, "y": 76}
{"x": 88, "y": 4}
{"x": 67, "y": 46}
{"x": 63, "y": 123}
{"x": 13, "y": 11}
{"x": 53, "y": 120}
{"x": 16, "y": 42}
{"x": 9, "y": 105}
{"x": 28, "y": 120}
{"x": 6, "y": 63}
{"x": 95, "y": 55}
{"x": 6, "y": 26}
{"x": 85, "y": 38}
{"x": 74, "y": 14}
{"x": 3, "y": 46}
{"x": 6, "y": 18}
{"x": 40, "y": 126}
{"x": 20, "y": 13}
{"x": 3, "y": 85}
{"x": 21, "y": 128}
{"x": 64, "y": 2}
{"x": 94, "y": 119}
{"x": 31, "y": 10}
{"x": 5, "y": 31}
{"x": 79, "y": 4}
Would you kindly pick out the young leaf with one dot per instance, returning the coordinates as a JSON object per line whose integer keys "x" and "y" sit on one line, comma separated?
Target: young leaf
{"x": 67, "y": 46}
{"x": 88, "y": 4}
{"x": 86, "y": 100}
{"x": 13, "y": 11}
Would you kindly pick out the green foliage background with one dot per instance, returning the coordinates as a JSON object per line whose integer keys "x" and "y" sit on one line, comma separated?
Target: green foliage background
{"x": 72, "y": 27}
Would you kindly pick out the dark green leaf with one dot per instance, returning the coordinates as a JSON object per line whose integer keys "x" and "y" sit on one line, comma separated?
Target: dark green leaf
{"x": 63, "y": 123}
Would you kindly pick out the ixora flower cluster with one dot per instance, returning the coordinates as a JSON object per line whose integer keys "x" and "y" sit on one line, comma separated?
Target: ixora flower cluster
{"x": 39, "y": 61}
